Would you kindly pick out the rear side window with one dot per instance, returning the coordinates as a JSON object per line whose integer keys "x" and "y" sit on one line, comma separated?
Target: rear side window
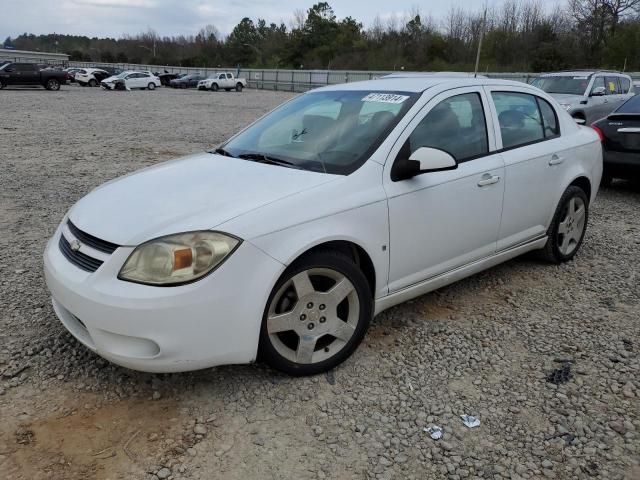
{"x": 625, "y": 85}
{"x": 549, "y": 119}
{"x": 519, "y": 118}
{"x": 456, "y": 125}
{"x": 229, "y": 76}
{"x": 613, "y": 88}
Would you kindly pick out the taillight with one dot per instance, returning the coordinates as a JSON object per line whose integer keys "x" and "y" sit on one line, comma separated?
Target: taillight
{"x": 599, "y": 132}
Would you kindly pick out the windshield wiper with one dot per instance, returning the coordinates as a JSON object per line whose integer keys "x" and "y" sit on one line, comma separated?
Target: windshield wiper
{"x": 222, "y": 151}
{"x": 262, "y": 158}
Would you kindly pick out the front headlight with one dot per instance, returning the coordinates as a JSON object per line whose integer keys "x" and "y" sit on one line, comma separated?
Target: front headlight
{"x": 178, "y": 259}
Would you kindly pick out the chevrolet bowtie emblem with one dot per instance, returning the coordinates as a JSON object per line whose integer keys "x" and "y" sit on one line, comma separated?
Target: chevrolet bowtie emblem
{"x": 75, "y": 245}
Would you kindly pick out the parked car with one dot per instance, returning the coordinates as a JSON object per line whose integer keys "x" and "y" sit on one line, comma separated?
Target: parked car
{"x": 620, "y": 133}
{"x": 109, "y": 69}
{"x": 188, "y": 81}
{"x": 30, "y": 74}
{"x": 165, "y": 78}
{"x": 346, "y": 200}
{"x": 222, "y": 80}
{"x": 587, "y": 95}
{"x": 131, "y": 80}
{"x": 71, "y": 73}
{"x": 90, "y": 77}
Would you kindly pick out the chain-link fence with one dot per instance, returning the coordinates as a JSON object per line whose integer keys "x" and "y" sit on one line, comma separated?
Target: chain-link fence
{"x": 295, "y": 80}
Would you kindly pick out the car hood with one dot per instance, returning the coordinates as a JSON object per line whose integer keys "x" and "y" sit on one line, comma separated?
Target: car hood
{"x": 110, "y": 79}
{"x": 193, "y": 193}
{"x": 567, "y": 98}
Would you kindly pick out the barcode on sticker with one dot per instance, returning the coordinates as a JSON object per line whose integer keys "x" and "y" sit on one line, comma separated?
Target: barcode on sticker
{"x": 385, "y": 98}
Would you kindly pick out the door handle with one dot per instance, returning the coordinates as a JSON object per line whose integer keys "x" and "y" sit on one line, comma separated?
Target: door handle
{"x": 488, "y": 179}
{"x": 555, "y": 160}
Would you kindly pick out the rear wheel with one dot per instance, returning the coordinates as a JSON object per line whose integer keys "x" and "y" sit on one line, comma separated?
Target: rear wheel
{"x": 52, "y": 84}
{"x": 316, "y": 315}
{"x": 151, "y": 86}
{"x": 92, "y": 83}
{"x": 568, "y": 226}
{"x": 2, "y": 84}
{"x": 238, "y": 87}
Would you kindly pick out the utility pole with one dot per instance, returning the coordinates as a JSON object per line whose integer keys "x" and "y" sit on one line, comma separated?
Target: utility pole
{"x": 482, "y": 27}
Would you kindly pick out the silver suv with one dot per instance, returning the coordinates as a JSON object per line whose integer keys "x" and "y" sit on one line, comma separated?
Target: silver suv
{"x": 587, "y": 95}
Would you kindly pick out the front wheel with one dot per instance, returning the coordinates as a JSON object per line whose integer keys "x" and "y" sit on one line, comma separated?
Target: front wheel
{"x": 239, "y": 87}
{"x": 568, "y": 226}
{"x": 151, "y": 86}
{"x": 2, "y": 84}
{"x": 214, "y": 87}
{"x": 52, "y": 84}
{"x": 317, "y": 314}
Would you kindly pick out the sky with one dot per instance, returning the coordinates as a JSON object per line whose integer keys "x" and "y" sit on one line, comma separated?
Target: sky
{"x": 114, "y": 18}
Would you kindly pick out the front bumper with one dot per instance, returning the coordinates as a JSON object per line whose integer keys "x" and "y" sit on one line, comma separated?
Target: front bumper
{"x": 213, "y": 321}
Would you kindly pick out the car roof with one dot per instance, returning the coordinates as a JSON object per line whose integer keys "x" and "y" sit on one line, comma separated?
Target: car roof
{"x": 581, "y": 73}
{"x": 419, "y": 84}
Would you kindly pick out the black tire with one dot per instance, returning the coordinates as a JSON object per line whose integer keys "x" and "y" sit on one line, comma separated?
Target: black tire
{"x": 52, "y": 84}
{"x": 151, "y": 86}
{"x": 239, "y": 87}
{"x": 214, "y": 87}
{"x": 2, "y": 84}
{"x": 339, "y": 264}
{"x": 552, "y": 250}
{"x": 93, "y": 83}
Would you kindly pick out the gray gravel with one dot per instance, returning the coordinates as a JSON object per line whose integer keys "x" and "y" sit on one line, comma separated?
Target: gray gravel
{"x": 483, "y": 347}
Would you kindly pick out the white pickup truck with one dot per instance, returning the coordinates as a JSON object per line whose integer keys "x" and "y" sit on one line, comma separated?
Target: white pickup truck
{"x": 225, "y": 80}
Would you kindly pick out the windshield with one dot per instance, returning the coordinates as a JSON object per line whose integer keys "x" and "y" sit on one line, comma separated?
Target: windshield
{"x": 574, "y": 85}
{"x": 332, "y": 131}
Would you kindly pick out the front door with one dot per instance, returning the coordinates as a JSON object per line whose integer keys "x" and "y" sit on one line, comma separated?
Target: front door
{"x": 439, "y": 221}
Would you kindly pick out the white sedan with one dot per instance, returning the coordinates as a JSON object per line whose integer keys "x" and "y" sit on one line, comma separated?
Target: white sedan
{"x": 132, "y": 79}
{"x": 285, "y": 241}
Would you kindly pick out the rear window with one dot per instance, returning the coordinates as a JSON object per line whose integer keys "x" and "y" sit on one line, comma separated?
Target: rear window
{"x": 630, "y": 106}
{"x": 574, "y": 85}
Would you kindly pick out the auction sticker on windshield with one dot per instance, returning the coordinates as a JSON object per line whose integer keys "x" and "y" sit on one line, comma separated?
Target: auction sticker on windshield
{"x": 385, "y": 98}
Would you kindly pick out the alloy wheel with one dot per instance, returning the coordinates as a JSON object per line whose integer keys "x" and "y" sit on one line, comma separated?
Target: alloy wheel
{"x": 313, "y": 315}
{"x": 571, "y": 227}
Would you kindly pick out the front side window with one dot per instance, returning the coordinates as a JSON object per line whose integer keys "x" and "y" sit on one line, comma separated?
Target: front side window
{"x": 328, "y": 131}
{"x": 519, "y": 118}
{"x": 598, "y": 82}
{"x": 456, "y": 125}
{"x": 221, "y": 77}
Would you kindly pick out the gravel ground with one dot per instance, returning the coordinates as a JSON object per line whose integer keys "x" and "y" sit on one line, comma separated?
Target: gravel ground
{"x": 484, "y": 346}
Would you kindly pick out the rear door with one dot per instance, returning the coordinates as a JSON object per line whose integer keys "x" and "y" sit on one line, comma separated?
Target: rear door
{"x": 535, "y": 155}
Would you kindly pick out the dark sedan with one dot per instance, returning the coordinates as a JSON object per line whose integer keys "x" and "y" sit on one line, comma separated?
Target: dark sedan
{"x": 620, "y": 134}
{"x": 188, "y": 81}
{"x": 165, "y": 78}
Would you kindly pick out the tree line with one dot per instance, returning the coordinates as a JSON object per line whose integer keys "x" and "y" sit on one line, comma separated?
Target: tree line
{"x": 519, "y": 35}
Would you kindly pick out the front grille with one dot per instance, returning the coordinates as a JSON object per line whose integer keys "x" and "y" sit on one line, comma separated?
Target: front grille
{"x": 91, "y": 241}
{"x": 79, "y": 259}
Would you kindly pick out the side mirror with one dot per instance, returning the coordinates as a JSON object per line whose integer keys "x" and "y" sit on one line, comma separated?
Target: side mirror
{"x": 598, "y": 92}
{"x": 433, "y": 159}
{"x": 423, "y": 160}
